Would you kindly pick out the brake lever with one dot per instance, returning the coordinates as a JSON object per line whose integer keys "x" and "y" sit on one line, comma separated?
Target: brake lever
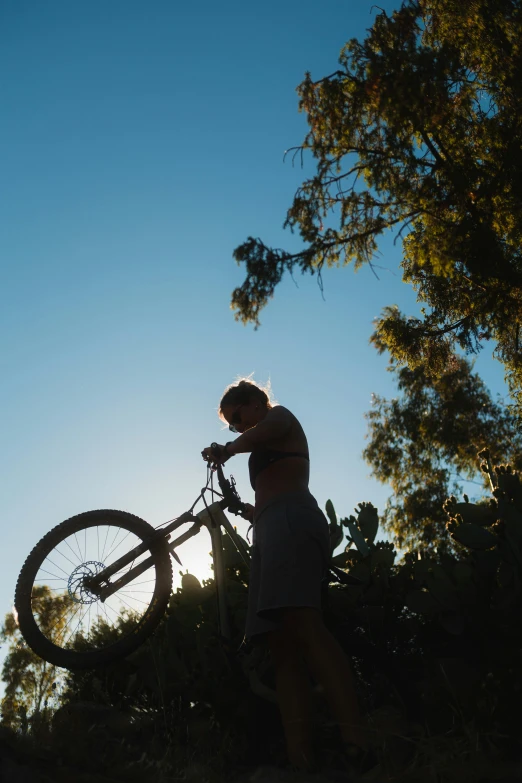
{"x": 231, "y": 499}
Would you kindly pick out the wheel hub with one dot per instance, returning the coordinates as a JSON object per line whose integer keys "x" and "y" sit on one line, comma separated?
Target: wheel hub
{"x": 78, "y": 585}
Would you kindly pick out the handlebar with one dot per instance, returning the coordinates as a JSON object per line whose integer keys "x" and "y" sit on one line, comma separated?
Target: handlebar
{"x": 231, "y": 499}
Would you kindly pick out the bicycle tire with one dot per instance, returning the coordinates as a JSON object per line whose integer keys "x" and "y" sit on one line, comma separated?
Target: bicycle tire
{"x": 70, "y": 659}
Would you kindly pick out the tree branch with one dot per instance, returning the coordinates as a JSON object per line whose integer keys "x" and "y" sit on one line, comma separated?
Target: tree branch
{"x": 439, "y": 332}
{"x": 434, "y": 151}
{"x": 327, "y": 78}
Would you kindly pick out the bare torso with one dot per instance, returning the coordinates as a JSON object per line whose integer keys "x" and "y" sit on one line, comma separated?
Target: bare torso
{"x": 286, "y": 475}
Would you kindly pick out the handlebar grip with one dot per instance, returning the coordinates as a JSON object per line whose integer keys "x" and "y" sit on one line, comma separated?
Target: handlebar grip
{"x": 216, "y": 453}
{"x": 214, "y": 449}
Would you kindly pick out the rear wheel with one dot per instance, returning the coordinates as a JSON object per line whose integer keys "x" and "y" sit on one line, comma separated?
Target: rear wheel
{"x": 62, "y": 619}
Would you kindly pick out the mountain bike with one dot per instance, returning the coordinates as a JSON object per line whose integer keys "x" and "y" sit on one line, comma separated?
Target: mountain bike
{"x": 97, "y": 585}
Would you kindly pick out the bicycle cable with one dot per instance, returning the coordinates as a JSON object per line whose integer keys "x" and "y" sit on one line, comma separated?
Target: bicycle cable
{"x": 201, "y": 496}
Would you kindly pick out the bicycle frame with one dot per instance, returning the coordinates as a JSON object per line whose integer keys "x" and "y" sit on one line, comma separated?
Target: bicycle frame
{"x": 214, "y": 519}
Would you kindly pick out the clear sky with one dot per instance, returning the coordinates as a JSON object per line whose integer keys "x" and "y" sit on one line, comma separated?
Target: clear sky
{"x": 141, "y": 142}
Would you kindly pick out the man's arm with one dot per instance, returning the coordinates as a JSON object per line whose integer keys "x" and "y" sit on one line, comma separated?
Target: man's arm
{"x": 276, "y": 424}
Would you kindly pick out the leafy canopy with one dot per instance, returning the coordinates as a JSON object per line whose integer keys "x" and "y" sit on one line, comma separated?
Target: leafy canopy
{"x": 424, "y": 443}
{"x": 418, "y": 132}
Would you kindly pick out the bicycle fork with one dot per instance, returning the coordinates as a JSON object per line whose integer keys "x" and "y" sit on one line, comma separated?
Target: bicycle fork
{"x": 214, "y": 518}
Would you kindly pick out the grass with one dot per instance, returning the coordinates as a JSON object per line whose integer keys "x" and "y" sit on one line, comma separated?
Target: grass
{"x": 408, "y": 754}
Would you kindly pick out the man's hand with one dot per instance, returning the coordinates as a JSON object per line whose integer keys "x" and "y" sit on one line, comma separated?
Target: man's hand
{"x": 217, "y": 455}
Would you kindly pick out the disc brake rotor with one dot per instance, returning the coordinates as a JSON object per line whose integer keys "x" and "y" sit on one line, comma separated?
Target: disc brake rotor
{"x": 78, "y": 590}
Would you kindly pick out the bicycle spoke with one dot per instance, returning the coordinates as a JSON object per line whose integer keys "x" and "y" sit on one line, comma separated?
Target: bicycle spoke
{"x": 57, "y": 566}
{"x": 126, "y": 604}
{"x": 131, "y": 595}
{"x": 70, "y": 547}
{"x": 118, "y": 614}
{"x": 113, "y": 540}
{"x": 78, "y": 545}
{"x": 53, "y": 575}
{"x": 72, "y": 618}
{"x": 59, "y": 593}
{"x": 105, "y": 543}
{"x": 121, "y": 542}
{"x": 108, "y": 606}
{"x": 81, "y": 620}
{"x": 145, "y": 592}
{"x": 67, "y": 558}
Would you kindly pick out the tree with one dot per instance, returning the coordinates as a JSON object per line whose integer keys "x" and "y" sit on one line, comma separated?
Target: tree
{"x": 418, "y": 132}
{"x": 425, "y": 443}
{"x": 31, "y": 684}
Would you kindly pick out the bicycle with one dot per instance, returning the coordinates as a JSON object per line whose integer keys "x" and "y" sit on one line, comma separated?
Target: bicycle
{"x": 122, "y": 618}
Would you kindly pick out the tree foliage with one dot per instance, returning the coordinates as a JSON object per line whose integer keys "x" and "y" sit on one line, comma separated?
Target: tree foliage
{"x": 424, "y": 443}
{"x": 419, "y": 131}
{"x": 31, "y": 684}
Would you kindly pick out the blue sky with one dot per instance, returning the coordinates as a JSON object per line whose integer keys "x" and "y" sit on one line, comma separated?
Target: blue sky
{"x": 141, "y": 143}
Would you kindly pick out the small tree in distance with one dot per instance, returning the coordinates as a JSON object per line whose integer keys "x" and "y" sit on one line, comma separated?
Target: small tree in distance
{"x": 31, "y": 684}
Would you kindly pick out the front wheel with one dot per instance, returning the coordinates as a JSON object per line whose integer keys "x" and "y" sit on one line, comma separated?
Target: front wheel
{"x": 67, "y": 624}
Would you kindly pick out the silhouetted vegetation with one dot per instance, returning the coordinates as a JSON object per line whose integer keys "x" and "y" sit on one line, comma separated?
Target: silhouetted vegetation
{"x": 435, "y": 640}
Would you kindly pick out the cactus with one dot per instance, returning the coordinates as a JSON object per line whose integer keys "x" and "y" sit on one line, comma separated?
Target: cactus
{"x": 330, "y": 512}
{"x": 493, "y": 534}
{"x": 470, "y": 512}
{"x": 487, "y": 467}
{"x": 510, "y": 485}
{"x": 383, "y": 555}
{"x": 471, "y": 535}
{"x": 356, "y": 536}
{"x": 363, "y": 529}
{"x": 369, "y": 562}
{"x": 347, "y": 559}
{"x": 468, "y": 523}
{"x": 336, "y": 531}
{"x": 368, "y": 521}
{"x": 192, "y": 592}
